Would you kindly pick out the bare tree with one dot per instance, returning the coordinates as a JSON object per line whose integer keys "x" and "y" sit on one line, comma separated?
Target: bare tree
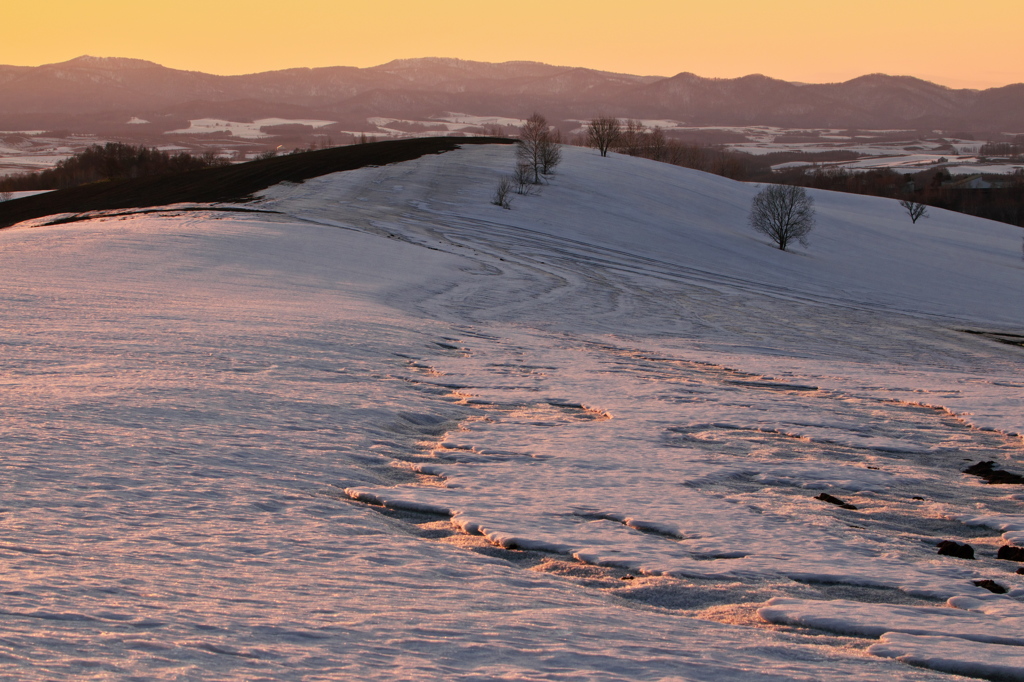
{"x": 603, "y": 133}
{"x": 522, "y": 178}
{"x": 503, "y": 193}
{"x": 784, "y": 213}
{"x": 915, "y": 208}
{"x": 631, "y": 138}
{"x": 655, "y": 144}
{"x": 530, "y": 148}
{"x": 551, "y": 154}
{"x": 534, "y": 148}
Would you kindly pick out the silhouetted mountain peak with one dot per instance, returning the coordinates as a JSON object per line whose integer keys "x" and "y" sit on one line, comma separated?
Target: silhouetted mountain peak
{"x": 108, "y": 63}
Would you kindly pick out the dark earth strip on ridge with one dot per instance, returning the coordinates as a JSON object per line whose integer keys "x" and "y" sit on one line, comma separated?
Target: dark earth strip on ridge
{"x": 1000, "y": 337}
{"x": 228, "y": 183}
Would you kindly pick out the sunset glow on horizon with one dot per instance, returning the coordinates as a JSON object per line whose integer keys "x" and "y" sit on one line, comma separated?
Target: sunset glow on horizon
{"x": 796, "y": 40}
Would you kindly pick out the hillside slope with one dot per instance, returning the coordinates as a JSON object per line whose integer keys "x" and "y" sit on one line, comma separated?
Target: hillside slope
{"x": 646, "y": 217}
{"x": 389, "y": 430}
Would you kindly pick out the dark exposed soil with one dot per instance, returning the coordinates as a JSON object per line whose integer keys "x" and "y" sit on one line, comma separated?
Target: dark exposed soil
{"x": 1010, "y": 553}
{"x": 988, "y": 472}
{"x": 825, "y": 497}
{"x": 991, "y": 586}
{"x": 1000, "y": 337}
{"x": 960, "y": 550}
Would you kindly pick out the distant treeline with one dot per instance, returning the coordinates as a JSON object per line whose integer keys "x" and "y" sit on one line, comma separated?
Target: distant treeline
{"x": 112, "y": 161}
{"x": 1009, "y": 149}
{"x": 1004, "y": 203}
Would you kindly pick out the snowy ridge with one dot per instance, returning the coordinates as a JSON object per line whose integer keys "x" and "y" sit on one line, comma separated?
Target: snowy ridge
{"x": 397, "y": 432}
{"x": 954, "y": 656}
{"x": 874, "y": 620}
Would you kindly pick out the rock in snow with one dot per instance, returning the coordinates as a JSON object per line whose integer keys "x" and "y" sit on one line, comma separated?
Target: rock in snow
{"x": 960, "y": 550}
{"x": 1010, "y": 553}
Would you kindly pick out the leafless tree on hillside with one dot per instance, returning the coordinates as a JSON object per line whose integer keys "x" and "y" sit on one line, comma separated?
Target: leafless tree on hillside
{"x": 503, "y": 193}
{"x": 784, "y": 213}
{"x": 915, "y": 208}
{"x": 534, "y": 147}
{"x": 522, "y": 178}
{"x": 657, "y": 145}
{"x": 603, "y": 133}
{"x": 631, "y": 138}
{"x": 551, "y": 155}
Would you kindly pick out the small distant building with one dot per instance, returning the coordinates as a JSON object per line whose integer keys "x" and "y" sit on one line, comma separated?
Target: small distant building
{"x": 975, "y": 181}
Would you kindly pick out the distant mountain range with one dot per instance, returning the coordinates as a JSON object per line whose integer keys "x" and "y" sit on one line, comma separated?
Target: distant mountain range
{"x": 91, "y": 94}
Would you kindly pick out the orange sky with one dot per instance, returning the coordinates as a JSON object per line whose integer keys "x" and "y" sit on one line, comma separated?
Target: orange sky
{"x": 951, "y": 42}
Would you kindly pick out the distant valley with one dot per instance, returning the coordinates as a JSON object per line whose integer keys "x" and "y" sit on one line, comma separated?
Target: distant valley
{"x": 49, "y": 112}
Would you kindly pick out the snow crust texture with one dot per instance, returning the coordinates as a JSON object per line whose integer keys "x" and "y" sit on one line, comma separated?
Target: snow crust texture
{"x": 399, "y": 433}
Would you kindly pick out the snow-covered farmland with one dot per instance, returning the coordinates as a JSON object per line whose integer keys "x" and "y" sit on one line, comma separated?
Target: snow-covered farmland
{"x": 242, "y": 129}
{"x": 471, "y": 120}
{"x": 26, "y": 193}
{"x": 29, "y": 152}
{"x": 395, "y": 432}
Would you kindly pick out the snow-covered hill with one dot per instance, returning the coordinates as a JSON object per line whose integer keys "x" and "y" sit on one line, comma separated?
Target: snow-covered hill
{"x": 397, "y": 432}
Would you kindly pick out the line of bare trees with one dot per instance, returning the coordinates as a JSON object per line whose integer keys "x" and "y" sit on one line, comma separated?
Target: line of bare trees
{"x": 924, "y": 188}
{"x": 538, "y": 151}
{"x": 633, "y": 137}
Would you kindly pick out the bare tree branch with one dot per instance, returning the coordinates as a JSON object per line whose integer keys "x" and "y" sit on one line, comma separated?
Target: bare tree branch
{"x": 915, "y": 208}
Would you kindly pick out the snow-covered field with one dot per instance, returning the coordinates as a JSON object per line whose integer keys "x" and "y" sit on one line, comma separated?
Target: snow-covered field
{"x": 242, "y": 129}
{"x": 25, "y": 193}
{"x": 18, "y": 162}
{"x": 32, "y": 151}
{"x": 396, "y": 432}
